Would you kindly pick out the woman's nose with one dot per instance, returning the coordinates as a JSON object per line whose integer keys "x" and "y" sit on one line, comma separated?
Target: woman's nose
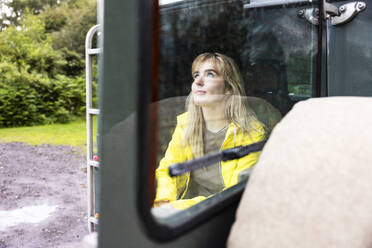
{"x": 199, "y": 81}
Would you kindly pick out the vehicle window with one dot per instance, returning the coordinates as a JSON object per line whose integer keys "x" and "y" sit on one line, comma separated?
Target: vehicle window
{"x": 350, "y": 71}
{"x": 228, "y": 72}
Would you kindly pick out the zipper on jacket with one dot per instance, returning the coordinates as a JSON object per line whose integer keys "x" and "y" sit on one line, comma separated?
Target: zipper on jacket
{"x": 220, "y": 171}
{"x": 220, "y": 164}
{"x": 183, "y": 191}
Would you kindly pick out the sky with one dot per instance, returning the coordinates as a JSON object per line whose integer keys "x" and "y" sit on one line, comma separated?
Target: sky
{"x": 3, "y": 7}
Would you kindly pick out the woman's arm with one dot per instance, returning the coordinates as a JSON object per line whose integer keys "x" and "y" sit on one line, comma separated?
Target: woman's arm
{"x": 167, "y": 186}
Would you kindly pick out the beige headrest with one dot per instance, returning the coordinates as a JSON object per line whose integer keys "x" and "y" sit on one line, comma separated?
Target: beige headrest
{"x": 313, "y": 184}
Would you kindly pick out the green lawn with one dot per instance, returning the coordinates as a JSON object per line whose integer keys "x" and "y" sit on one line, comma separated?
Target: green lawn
{"x": 72, "y": 134}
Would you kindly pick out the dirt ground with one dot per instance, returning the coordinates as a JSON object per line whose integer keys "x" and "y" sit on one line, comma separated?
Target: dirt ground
{"x": 43, "y": 196}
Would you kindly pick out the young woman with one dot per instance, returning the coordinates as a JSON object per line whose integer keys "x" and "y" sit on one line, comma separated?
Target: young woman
{"x": 216, "y": 119}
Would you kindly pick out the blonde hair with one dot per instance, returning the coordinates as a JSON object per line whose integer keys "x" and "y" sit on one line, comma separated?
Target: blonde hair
{"x": 235, "y": 110}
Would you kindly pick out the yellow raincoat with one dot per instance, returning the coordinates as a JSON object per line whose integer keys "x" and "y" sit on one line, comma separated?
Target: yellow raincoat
{"x": 174, "y": 189}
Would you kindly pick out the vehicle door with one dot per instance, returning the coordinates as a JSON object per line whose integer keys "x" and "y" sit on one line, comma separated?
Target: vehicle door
{"x": 286, "y": 51}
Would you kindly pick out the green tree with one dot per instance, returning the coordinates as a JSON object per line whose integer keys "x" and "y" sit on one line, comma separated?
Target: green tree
{"x": 33, "y": 89}
{"x": 80, "y": 16}
{"x": 30, "y": 48}
{"x": 17, "y": 8}
{"x": 42, "y": 60}
{"x": 68, "y": 25}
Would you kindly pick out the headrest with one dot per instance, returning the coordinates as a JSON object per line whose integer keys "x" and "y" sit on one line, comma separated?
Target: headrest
{"x": 312, "y": 186}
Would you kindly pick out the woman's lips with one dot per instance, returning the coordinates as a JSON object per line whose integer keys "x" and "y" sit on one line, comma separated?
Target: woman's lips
{"x": 200, "y": 92}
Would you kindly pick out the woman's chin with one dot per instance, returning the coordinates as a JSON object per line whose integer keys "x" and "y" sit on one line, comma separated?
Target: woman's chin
{"x": 205, "y": 103}
{"x": 208, "y": 101}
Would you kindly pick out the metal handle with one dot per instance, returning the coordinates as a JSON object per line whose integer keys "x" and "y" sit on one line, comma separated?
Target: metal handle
{"x": 329, "y": 10}
{"x": 337, "y": 16}
{"x": 348, "y": 12}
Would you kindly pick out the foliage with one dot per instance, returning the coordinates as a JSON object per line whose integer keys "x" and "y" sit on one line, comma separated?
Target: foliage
{"x": 30, "y": 48}
{"x": 38, "y": 84}
{"x": 19, "y": 7}
{"x": 74, "y": 65}
{"x": 30, "y": 98}
{"x": 80, "y": 16}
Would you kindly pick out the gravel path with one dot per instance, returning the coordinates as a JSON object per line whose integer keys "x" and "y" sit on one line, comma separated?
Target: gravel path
{"x": 43, "y": 198}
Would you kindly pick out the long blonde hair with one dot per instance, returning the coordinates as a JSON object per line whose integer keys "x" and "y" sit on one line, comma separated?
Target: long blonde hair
{"x": 235, "y": 110}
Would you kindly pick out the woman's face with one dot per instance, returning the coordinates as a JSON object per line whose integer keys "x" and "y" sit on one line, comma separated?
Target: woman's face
{"x": 208, "y": 87}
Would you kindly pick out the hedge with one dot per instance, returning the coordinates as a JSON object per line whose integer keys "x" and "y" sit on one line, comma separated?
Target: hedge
{"x": 30, "y": 98}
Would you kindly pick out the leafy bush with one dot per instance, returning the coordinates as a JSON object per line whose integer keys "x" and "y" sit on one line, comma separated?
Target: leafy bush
{"x": 38, "y": 84}
{"x": 30, "y": 98}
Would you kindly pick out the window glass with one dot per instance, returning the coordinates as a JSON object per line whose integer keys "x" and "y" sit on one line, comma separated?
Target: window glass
{"x": 228, "y": 72}
{"x": 349, "y": 67}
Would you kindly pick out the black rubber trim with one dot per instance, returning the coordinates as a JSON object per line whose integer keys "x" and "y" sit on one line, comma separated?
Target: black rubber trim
{"x": 320, "y": 87}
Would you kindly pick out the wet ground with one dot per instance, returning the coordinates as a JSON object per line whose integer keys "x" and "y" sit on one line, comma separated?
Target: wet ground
{"x": 43, "y": 196}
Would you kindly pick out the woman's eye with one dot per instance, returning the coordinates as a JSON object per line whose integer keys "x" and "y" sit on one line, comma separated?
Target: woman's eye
{"x": 210, "y": 75}
{"x": 196, "y": 75}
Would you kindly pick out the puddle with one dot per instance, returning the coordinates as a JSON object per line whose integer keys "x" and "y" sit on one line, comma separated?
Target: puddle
{"x": 30, "y": 214}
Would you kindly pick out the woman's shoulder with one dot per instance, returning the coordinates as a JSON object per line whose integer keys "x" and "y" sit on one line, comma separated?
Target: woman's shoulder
{"x": 255, "y": 132}
{"x": 182, "y": 119}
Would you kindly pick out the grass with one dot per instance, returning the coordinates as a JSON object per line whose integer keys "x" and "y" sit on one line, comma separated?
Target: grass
{"x": 70, "y": 134}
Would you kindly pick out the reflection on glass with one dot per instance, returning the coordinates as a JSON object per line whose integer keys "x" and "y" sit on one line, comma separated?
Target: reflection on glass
{"x": 276, "y": 57}
{"x": 217, "y": 118}
{"x": 163, "y": 2}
